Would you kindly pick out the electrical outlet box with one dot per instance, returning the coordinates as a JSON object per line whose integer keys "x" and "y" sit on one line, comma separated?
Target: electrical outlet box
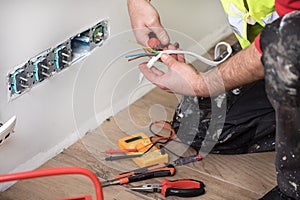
{"x": 62, "y": 56}
{"x": 54, "y": 60}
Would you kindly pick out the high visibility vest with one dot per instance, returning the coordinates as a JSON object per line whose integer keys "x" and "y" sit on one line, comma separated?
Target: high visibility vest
{"x": 239, "y": 17}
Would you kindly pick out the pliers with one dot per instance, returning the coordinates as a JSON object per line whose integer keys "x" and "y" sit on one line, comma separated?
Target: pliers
{"x": 180, "y": 188}
{"x": 154, "y": 46}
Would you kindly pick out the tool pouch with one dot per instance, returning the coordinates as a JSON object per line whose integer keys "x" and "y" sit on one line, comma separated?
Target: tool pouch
{"x": 239, "y": 121}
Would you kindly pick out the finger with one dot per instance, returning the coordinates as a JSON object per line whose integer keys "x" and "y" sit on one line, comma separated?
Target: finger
{"x": 172, "y": 47}
{"x": 168, "y": 60}
{"x": 141, "y": 35}
{"x": 151, "y": 76}
{"x": 157, "y": 71}
{"x": 180, "y": 57}
{"x": 176, "y": 44}
{"x": 161, "y": 34}
{"x": 148, "y": 73}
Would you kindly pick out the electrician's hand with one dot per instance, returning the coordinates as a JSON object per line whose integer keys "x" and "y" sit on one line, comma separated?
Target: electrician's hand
{"x": 180, "y": 78}
{"x": 145, "y": 19}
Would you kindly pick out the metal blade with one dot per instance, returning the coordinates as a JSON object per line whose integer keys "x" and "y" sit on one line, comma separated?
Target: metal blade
{"x": 147, "y": 188}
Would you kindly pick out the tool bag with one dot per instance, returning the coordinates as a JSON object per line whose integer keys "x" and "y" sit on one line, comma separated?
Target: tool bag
{"x": 239, "y": 121}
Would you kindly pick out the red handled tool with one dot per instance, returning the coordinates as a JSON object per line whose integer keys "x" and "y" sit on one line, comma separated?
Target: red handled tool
{"x": 151, "y": 168}
{"x": 153, "y": 41}
{"x": 180, "y": 188}
{"x": 130, "y": 177}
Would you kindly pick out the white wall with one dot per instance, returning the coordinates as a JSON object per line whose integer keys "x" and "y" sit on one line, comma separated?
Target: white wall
{"x": 202, "y": 20}
{"x": 52, "y": 115}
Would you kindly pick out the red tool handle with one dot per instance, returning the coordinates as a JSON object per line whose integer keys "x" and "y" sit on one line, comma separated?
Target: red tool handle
{"x": 167, "y": 171}
{"x": 153, "y": 41}
{"x": 182, "y": 188}
{"x": 53, "y": 172}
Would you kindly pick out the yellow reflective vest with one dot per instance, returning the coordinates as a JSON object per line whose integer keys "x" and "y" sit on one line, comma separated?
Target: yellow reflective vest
{"x": 248, "y": 17}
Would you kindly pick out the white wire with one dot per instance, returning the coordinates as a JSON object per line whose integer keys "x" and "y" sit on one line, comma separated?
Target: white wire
{"x": 152, "y": 61}
{"x": 201, "y": 58}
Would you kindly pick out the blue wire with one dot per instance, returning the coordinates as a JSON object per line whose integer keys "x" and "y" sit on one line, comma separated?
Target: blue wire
{"x": 140, "y": 54}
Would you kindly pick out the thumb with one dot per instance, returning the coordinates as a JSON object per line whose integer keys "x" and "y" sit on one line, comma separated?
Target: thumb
{"x": 168, "y": 60}
{"x": 161, "y": 34}
{"x": 163, "y": 37}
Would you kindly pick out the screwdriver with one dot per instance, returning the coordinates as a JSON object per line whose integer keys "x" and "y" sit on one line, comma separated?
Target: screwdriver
{"x": 146, "y": 169}
{"x": 186, "y": 160}
{"x": 167, "y": 171}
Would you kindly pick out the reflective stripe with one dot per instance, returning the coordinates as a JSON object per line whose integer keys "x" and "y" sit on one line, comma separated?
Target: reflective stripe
{"x": 261, "y": 12}
{"x": 270, "y": 18}
{"x": 236, "y": 20}
{"x": 236, "y": 24}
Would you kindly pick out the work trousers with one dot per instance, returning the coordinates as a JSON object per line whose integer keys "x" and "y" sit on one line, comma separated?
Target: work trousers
{"x": 280, "y": 43}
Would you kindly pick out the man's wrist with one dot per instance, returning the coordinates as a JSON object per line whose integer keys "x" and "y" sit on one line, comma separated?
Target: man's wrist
{"x": 198, "y": 86}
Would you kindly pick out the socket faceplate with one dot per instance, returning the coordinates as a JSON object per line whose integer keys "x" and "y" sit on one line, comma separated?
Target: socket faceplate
{"x": 54, "y": 60}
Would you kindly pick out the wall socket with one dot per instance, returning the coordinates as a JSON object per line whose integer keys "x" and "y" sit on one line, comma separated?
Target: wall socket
{"x": 54, "y": 60}
{"x": 7, "y": 129}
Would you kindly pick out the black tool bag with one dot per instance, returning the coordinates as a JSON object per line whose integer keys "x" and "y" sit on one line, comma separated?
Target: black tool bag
{"x": 240, "y": 121}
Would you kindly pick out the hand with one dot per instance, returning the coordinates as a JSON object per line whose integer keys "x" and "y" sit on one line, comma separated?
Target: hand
{"x": 180, "y": 78}
{"x": 243, "y": 68}
{"x": 145, "y": 19}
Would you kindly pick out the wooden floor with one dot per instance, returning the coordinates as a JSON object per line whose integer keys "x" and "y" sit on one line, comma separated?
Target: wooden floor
{"x": 225, "y": 176}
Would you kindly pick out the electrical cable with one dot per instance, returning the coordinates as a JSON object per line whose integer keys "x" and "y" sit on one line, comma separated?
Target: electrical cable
{"x": 200, "y": 58}
{"x": 172, "y": 134}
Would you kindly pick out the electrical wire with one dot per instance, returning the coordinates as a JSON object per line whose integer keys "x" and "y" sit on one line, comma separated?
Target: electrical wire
{"x": 167, "y": 126}
{"x": 200, "y": 58}
{"x": 144, "y": 47}
{"x": 140, "y": 54}
{"x": 157, "y": 55}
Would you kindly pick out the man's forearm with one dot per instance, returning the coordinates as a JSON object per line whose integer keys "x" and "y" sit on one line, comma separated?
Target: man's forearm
{"x": 243, "y": 68}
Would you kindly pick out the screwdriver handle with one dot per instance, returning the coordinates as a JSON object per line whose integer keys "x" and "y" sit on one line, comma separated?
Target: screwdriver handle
{"x": 182, "y": 188}
{"x": 167, "y": 171}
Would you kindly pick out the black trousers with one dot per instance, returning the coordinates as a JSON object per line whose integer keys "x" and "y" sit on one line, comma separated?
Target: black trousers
{"x": 280, "y": 43}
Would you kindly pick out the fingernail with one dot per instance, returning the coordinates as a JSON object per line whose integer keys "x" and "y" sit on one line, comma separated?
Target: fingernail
{"x": 164, "y": 56}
